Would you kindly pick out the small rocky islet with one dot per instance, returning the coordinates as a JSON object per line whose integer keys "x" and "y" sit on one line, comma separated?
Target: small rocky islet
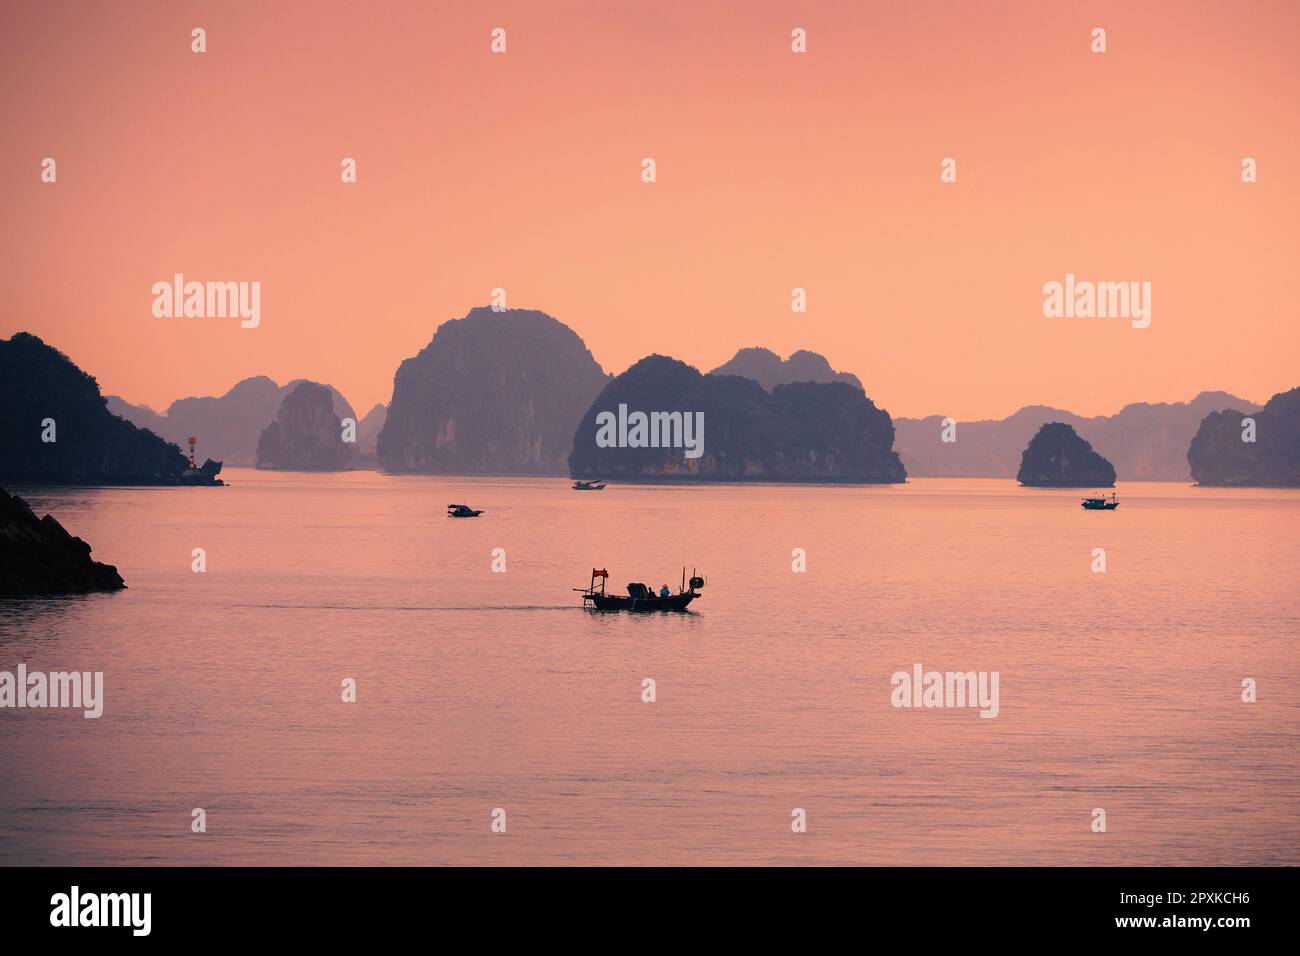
{"x": 1057, "y": 457}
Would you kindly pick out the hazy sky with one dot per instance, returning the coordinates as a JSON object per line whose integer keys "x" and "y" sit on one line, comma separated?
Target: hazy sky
{"x": 775, "y": 170}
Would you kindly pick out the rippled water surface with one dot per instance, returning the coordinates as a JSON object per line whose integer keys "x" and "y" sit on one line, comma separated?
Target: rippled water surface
{"x": 477, "y": 690}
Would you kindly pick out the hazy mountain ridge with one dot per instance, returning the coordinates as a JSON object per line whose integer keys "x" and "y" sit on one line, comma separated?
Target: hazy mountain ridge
{"x": 770, "y": 370}
{"x": 227, "y": 426}
{"x": 1144, "y": 441}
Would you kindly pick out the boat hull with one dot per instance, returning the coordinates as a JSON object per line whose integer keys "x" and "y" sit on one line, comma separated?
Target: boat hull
{"x": 619, "y": 602}
{"x": 1108, "y": 506}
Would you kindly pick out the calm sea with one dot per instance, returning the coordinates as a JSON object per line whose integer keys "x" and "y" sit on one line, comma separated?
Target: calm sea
{"x": 479, "y": 690}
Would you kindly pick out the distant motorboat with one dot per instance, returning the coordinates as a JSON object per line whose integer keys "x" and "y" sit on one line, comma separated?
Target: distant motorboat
{"x": 1100, "y": 504}
{"x": 639, "y": 597}
{"x": 462, "y": 511}
{"x": 589, "y": 485}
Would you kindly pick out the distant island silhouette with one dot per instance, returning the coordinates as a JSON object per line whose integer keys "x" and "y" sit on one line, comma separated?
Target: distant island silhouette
{"x": 57, "y": 429}
{"x": 228, "y": 426}
{"x": 503, "y": 392}
{"x": 306, "y": 434}
{"x": 1057, "y": 457}
{"x": 802, "y": 431}
{"x": 1219, "y": 454}
{"x": 492, "y": 393}
{"x": 1144, "y": 441}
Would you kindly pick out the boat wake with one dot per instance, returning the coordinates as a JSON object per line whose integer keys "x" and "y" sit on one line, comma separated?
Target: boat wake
{"x": 401, "y": 607}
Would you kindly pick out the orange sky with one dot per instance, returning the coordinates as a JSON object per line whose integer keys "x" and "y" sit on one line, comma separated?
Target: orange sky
{"x": 775, "y": 170}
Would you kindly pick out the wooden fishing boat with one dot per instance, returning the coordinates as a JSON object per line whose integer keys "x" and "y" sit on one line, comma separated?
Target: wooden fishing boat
{"x": 1100, "y": 504}
{"x": 639, "y": 597}
{"x": 462, "y": 511}
{"x": 589, "y": 485}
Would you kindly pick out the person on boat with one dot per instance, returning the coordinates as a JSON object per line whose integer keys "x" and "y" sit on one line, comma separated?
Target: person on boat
{"x": 664, "y": 592}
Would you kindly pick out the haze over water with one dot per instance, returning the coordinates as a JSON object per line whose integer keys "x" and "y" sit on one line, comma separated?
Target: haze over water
{"x": 479, "y": 690}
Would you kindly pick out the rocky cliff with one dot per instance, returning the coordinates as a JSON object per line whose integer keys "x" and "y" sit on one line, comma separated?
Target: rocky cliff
{"x": 492, "y": 393}
{"x": 306, "y": 435}
{"x": 1058, "y": 458}
{"x": 38, "y": 557}
{"x": 55, "y": 427}
{"x": 1219, "y": 455}
{"x": 728, "y": 428}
